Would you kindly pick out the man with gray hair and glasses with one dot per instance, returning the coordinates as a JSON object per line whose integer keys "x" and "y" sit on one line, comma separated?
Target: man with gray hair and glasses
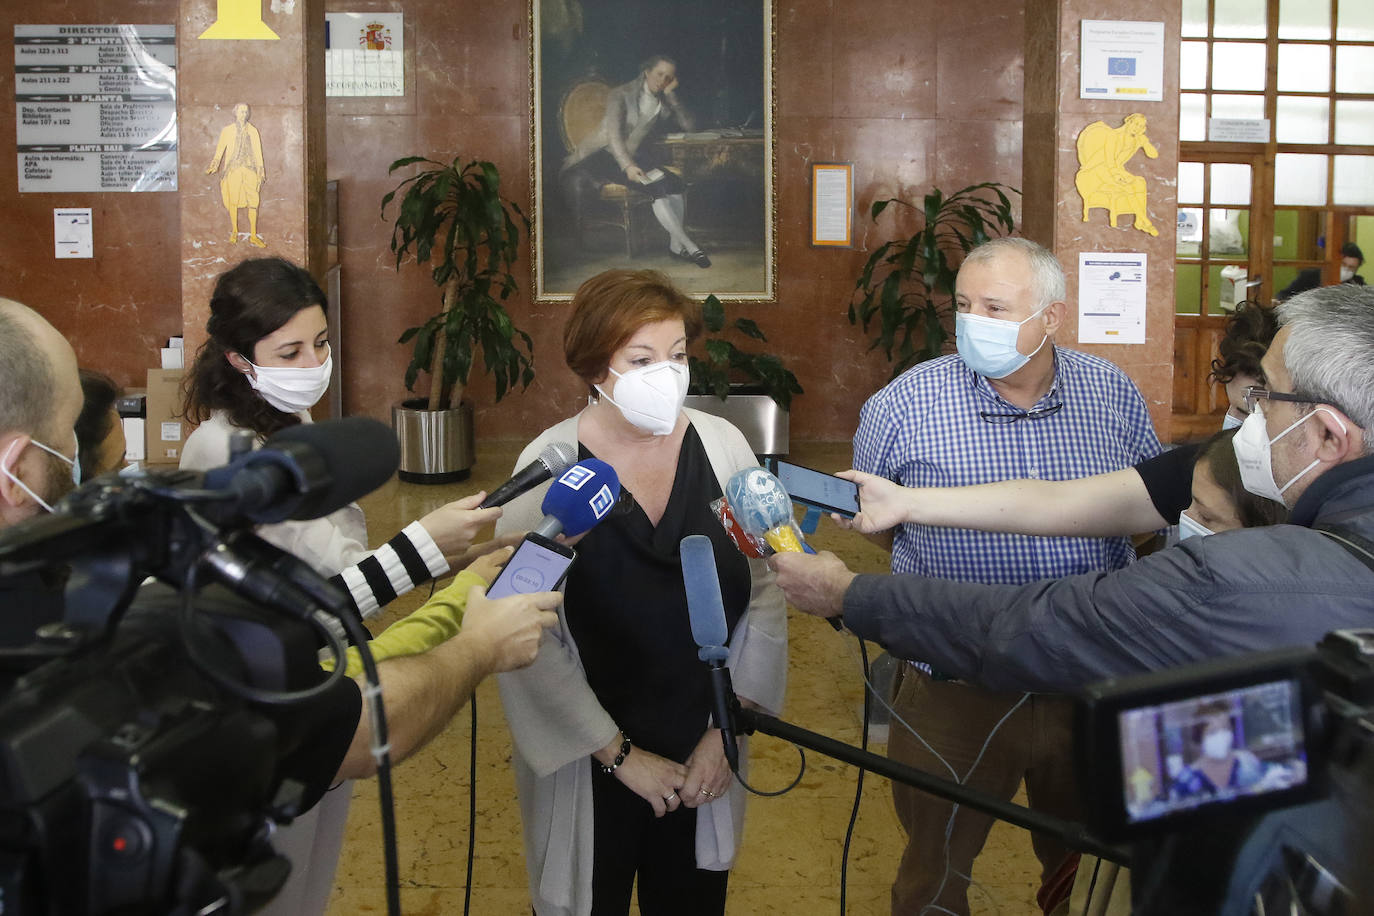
{"x": 1308, "y": 443}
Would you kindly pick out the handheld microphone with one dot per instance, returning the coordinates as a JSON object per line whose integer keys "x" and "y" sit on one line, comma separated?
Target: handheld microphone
{"x": 706, "y": 612}
{"x": 579, "y": 498}
{"x": 308, "y": 471}
{"x": 554, "y": 459}
{"x": 764, "y": 509}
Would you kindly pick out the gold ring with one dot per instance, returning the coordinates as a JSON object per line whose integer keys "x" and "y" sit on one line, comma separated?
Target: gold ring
{"x": 708, "y": 793}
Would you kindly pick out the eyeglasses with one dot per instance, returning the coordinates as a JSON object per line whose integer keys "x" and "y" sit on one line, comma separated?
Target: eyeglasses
{"x": 1254, "y": 394}
{"x": 1035, "y": 413}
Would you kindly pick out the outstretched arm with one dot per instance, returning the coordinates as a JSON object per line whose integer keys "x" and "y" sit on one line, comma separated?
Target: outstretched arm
{"x": 1105, "y": 505}
{"x": 423, "y": 692}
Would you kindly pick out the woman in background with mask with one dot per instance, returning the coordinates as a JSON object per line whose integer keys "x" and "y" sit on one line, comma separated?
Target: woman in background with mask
{"x": 1220, "y": 768}
{"x": 620, "y": 772}
{"x": 265, "y": 363}
{"x": 1220, "y": 500}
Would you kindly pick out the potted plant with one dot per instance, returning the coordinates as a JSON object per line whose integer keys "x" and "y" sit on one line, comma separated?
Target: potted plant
{"x": 751, "y": 390}
{"x": 455, "y": 214}
{"x": 908, "y": 284}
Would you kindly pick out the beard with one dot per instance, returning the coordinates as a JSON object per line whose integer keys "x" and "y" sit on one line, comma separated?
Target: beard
{"x": 59, "y": 479}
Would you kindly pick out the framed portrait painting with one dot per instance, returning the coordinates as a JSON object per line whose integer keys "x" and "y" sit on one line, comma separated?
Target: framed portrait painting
{"x": 652, "y": 143}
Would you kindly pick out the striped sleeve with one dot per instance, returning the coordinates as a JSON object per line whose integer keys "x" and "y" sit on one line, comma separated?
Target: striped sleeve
{"x": 407, "y": 560}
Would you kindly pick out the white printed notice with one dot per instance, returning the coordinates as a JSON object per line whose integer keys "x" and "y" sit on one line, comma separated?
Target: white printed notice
{"x": 1122, "y": 60}
{"x": 364, "y": 54}
{"x": 1111, "y": 297}
{"x": 95, "y": 107}
{"x": 72, "y": 237}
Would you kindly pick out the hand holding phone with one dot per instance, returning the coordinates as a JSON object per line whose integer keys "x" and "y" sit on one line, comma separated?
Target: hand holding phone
{"x": 816, "y": 488}
{"x": 539, "y": 564}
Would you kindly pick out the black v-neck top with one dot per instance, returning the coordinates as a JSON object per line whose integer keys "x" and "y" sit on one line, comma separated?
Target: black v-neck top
{"x": 627, "y": 608}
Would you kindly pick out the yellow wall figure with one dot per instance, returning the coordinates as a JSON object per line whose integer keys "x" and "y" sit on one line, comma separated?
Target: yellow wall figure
{"x": 1102, "y": 179}
{"x": 238, "y": 155}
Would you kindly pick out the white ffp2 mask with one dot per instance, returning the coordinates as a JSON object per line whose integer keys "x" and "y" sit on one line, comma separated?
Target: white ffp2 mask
{"x": 650, "y": 397}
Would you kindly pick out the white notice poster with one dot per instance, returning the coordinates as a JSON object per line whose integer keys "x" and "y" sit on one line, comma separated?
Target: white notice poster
{"x": 1122, "y": 60}
{"x": 1111, "y": 297}
{"x": 72, "y": 236}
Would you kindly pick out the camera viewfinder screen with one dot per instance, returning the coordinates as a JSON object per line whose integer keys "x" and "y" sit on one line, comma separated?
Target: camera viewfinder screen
{"x": 1212, "y": 749}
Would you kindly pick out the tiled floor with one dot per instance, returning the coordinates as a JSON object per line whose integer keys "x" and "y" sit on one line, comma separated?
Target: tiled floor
{"x": 790, "y": 862}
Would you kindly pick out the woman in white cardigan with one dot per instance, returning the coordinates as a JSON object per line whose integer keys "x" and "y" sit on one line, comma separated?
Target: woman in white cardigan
{"x": 620, "y": 773}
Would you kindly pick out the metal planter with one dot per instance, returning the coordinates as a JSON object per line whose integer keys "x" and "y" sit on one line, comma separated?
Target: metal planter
{"x": 437, "y": 446}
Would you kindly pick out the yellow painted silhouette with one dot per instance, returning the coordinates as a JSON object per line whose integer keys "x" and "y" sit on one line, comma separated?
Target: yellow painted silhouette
{"x": 238, "y": 156}
{"x": 1102, "y": 179}
{"x": 239, "y": 19}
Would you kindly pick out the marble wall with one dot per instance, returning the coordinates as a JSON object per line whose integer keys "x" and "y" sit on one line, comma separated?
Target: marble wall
{"x": 119, "y": 307}
{"x": 918, "y": 94}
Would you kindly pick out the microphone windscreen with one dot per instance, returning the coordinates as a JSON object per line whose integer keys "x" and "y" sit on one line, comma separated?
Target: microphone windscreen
{"x": 705, "y": 609}
{"x": 582, "y": 495}
{"x": 358, "y": 453}
{"x": 557, "y": 457}
{"x": 758, "y": 500}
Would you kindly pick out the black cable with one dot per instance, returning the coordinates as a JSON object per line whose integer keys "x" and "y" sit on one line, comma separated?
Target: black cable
{"x": 236, "y": 687}
{"x": 472, "y": 806}
{"x": 859, "y": 784}
{"x": 783, "y": 791}
{"x": 1091, "y": 886}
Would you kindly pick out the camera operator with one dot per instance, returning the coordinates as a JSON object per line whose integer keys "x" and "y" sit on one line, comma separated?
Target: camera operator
{"x": 40, "y": 400}
{"x": 1307, "y": 443}
{"x": 425, "y": 681}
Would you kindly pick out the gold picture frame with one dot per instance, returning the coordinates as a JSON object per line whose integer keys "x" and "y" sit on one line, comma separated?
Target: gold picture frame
{"x": 652, "y": 144}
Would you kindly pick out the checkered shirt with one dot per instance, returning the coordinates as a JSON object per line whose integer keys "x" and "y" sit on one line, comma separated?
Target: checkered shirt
{"x": 924, "y": 430}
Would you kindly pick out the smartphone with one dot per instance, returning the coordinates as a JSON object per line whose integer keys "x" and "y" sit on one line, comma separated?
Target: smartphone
{"x": 816, "y": 488}
{"x": 539, "y": 564}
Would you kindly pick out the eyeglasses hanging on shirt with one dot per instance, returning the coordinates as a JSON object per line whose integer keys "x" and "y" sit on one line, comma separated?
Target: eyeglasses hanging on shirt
{"x": 1035, "y": 413}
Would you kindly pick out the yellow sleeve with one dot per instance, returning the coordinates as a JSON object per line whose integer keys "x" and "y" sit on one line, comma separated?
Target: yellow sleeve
{"x": 437, "y": 620}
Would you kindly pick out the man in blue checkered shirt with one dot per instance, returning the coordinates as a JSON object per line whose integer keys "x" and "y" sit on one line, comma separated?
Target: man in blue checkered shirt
{"x": 1010, "y": 405}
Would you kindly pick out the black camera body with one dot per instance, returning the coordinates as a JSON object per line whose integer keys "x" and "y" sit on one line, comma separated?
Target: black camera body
{"x": 1242, "y": 780}
{"x": 152, "y": 737}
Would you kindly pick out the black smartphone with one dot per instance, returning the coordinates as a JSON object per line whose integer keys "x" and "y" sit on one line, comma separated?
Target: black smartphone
{"x": 538, "y": 565}
{"x": 817, "y": 488}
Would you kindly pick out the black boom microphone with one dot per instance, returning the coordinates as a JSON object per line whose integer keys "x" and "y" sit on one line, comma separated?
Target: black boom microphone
{"x": 556, "y": 458}
{"x": 309, "y": 470}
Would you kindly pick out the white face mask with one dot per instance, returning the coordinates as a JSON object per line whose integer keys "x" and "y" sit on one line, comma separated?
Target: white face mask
{"x": 1217, "y": 745}
{"x": 1347, "y": 273}
{"x": 4, "y": 469}
{"x": 1254, "y": 453}
{"x": 1187, "y": 528}
{"x": 650, "y": 397}
{"x": 988, "y": 345}
{"x": 1231, "y": 421}
{"x": 292, "y": 390}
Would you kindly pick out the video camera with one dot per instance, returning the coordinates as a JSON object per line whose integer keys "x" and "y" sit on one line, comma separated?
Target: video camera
{"x": 1241, "y": 785}
{"x": 152, "y": 737}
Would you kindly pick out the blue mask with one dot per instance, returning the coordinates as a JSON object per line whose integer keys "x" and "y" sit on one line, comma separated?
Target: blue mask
{"x": 988, "y": 345}
{"x": 1187, "y": 528}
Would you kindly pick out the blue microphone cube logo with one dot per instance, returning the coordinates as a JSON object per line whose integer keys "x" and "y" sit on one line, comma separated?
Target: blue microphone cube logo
{"x": 601, "y": 503}
{"x": 577, "y": 475}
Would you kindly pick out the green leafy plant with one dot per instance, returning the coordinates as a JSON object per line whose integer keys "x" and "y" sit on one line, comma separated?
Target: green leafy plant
{"x": 726, "y": 362}
{"x": 457, "y": 216}
{"x": 908, "y": 284}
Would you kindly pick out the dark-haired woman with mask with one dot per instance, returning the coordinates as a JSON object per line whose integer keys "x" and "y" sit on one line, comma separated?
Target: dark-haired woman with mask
{"x": 265, "y": 363}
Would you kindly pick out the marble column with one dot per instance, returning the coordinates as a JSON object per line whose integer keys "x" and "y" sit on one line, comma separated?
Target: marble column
{"x": 267, "y": 55}
{"x": 1053, "y": 214}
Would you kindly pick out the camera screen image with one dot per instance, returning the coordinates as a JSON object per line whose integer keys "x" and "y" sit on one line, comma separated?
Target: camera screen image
{"x": 1213, "y": 749}
{"x": 532, "y": 568}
